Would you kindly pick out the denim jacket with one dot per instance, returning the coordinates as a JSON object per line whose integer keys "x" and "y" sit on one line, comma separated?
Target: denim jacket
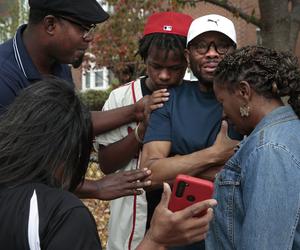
{"x": 258, "y": 191}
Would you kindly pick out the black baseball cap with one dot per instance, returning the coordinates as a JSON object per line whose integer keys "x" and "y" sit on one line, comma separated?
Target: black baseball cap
{"x": 88, "y": 11}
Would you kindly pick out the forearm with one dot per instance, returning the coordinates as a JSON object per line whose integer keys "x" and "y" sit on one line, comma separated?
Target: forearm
{"x": 87, "y": 190}
{"x": 117, "y": 155}
{"x": 104, "y": 121}
{"x": 166, "y": 169}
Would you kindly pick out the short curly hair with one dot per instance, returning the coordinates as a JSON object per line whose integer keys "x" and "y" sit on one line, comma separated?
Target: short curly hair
{"x": 271, "y": 73}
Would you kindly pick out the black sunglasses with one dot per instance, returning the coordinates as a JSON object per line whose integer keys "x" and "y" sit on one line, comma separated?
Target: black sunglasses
{"x": 203, "y": 47}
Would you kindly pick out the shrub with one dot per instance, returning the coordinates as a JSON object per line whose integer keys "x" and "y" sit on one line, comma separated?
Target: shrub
{"x": 94, "y": 99}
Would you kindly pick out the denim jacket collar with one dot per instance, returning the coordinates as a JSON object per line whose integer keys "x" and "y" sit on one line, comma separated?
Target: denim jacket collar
{"x": 280, "y": 114}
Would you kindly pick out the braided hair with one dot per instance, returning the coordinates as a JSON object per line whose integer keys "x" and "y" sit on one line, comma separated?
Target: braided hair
{"x": 270, "y": 73}
{"x": 166, "y": 42}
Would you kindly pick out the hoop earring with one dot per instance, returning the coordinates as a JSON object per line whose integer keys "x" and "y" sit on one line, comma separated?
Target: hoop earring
{"x": 245, "y": 111}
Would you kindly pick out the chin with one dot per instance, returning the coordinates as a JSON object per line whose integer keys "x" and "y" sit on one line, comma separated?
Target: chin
{"x": 242, "y": 131}
{"x": 77, "y": 63}
{"x": 206, "y": 79}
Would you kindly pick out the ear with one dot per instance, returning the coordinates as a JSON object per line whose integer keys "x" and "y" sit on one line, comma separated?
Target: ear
{"x": 244, "y": 90}
{"x": 50, "y": 23}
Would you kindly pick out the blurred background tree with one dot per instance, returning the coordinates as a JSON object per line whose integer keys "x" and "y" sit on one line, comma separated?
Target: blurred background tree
{"x": 13, "y": 13}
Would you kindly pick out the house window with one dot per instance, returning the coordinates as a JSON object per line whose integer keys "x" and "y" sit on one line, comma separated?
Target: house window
{"x": 99, "y": 78}
{"x": 95, "y": 79}
{"x": 88, "y": 80}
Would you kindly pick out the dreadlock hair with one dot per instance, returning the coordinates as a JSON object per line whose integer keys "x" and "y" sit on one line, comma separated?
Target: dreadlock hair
{"x": 46, "y": 131}
{"x": 166, "y": 42}
{"x": 270, "y": 73}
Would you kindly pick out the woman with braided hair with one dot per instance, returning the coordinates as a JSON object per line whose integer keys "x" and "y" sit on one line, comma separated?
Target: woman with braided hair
{"x": 258, "y": 189}
{"x": 45, "y": 142}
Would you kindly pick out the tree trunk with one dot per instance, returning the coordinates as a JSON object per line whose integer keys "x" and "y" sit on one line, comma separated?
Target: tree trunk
{"x": 275, "y": 20}
{"x": 295, "y": 23}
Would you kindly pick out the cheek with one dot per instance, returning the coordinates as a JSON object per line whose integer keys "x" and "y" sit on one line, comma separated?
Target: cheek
{"x": 151, "y": 73}
{"x": 198, "y": 60}
{"x": 231, "y": 111}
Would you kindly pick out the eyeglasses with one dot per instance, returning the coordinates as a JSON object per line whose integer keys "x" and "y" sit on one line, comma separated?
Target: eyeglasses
{"x": 203, "y": 47}
{"x": 88, "y": 29}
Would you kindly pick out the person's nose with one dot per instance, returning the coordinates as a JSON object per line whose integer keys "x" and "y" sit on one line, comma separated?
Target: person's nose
{"x": 212, "y": 51}
{"x": 164, "y": 75}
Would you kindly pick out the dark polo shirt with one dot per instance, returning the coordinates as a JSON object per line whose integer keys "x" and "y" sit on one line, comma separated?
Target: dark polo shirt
{"x": 17, "y": 70}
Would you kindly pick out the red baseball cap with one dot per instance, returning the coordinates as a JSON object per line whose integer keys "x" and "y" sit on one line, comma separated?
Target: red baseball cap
{"x": 169, "y": 23}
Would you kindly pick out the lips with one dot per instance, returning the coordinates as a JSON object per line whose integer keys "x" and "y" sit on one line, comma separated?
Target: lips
{"x": 210, "y": 67}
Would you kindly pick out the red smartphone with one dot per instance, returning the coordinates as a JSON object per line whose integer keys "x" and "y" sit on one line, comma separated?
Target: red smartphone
{"x": 188, "y": 190}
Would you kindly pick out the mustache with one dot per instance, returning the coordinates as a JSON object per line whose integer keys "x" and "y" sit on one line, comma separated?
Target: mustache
{"x": 212, "y": 60}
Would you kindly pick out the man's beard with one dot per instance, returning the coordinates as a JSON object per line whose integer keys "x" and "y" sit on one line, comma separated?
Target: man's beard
{"x": 76, "y": 64}
{"x": 205, "y": 80}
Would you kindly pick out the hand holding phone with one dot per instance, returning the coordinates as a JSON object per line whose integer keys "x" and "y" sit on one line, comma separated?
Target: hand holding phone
{"x": 188, "y": 190}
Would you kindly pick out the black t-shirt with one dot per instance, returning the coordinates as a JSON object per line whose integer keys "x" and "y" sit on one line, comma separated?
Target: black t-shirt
{"x": 64, "y": 222}
{"x": 145, "y": 89}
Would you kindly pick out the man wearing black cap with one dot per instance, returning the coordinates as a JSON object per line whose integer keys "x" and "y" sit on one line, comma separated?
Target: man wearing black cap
{"x": 57, "y": 34}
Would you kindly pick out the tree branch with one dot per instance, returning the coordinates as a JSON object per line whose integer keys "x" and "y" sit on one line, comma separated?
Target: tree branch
{"x": 231, "y": 8}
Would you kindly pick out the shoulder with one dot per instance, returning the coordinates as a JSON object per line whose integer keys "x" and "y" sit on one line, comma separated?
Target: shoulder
{"x": 10, "y": 73}
{"x": 6, "y": 50}
{"x": 7, "y": 57}
{"x": 8, "y": 65}
{"x": 127, "y": 87}
{"x": 120, "y": 90}
{"x": 185, "y": 86}
{"x": 55, "y": 197}
{"x": 64, "y": 219}
{"x": 56, "y": 205}
{"x": 124, "y": 95}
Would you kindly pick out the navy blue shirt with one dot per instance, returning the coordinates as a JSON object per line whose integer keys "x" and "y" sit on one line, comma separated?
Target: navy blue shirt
{"x": 17, "y": 70}
{"x": 190, "y": 120}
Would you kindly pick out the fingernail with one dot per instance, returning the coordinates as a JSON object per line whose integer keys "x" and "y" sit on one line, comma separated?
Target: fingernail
{"x": 148, "y": 183}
